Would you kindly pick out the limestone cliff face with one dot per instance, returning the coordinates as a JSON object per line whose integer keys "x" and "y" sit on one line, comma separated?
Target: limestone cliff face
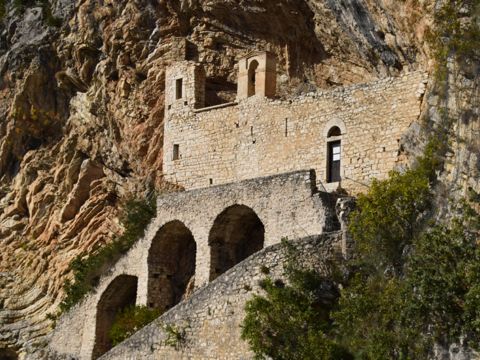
{"x": 81, "y": 110}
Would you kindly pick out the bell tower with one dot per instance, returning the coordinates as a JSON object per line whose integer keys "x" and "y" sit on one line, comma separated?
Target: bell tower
{"x": 257, "y": 75}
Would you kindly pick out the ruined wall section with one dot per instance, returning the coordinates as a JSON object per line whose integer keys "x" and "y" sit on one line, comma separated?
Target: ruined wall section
{"x": 260, "y": 136}
{"x": 185, "y": 87}
{"x": 211, "y": 319}
{"x": 288, "y": 205}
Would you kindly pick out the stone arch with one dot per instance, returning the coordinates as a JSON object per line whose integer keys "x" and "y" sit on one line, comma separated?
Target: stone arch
{"x": 8, "y": 354}
{"x": 252, "y": 77}
{"x": 120, "y": 293}
{"x": 171, "y": 266}
{"x": 334, "y": 123}
{"x": 334, "y": 131}
{"x": 236, "y": 234}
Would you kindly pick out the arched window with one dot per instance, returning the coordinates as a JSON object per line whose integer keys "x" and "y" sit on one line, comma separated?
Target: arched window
{"x": 120, "y": 293}
{"x": 334, "y": 151}
{"x": 236, "y": 234}
{"x": 171, "y": 266}
{"x": 252, "y": 77}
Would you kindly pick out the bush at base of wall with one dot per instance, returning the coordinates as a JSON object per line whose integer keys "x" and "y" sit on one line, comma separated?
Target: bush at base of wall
{"x": 130, "y": 320}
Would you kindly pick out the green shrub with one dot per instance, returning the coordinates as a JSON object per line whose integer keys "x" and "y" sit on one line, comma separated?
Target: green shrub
{"x": 291, "y": 321}
{"x": 137, "y": 214}
{"x": 130, "y": 320}
{"x": 389, "y": 215}
{"x": 175, "y": 335}
{"x": 383, "y": 316}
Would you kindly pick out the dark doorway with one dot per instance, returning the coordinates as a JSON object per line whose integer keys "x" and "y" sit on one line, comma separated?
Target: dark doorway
{"x": 236, "y": 234}
{"x": 171, "y": 266}
{"x": 8, "y": 354}
{"x": 333, "y": 166}
{"x": 121, "y": 293}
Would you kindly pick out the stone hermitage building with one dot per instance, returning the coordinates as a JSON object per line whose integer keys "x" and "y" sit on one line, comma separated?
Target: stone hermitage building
{"x": 348, "y": 135}
{"x": 255, "y": 171}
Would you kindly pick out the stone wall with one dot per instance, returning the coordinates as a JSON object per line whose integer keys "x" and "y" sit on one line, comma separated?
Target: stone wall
{"x": 211, "y": 319}
{"x": 287, "y": 205}
{"x": 191, "y": 92}
{"x": 260, "y": 136}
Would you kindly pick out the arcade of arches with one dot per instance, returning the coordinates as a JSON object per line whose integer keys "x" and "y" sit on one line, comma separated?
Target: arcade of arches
{"x": 236, "y": 234}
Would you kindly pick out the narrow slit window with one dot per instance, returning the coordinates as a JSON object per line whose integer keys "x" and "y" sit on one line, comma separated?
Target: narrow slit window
{"x": 179, "y": 89}
{"x": 176, "y": 152}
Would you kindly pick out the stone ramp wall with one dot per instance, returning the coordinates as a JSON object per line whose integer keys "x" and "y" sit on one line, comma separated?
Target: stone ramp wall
{"x": 212, "y": 317}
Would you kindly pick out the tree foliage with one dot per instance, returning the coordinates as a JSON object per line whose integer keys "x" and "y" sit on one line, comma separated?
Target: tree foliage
{"x": 389, "y": 216}
{"x": 414, "y": 282}
{"x": 291, "y": 321}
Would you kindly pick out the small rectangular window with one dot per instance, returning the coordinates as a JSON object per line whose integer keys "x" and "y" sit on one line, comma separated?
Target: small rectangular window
{"x": 176, "y": 152}
{"x": 179, "y": 89}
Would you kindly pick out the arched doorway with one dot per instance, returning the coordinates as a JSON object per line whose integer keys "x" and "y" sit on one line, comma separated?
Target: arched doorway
{"x": 121, "y": 293}
{"x": 252, "y": 77}
{"x": 8, "y": 354}
{"x": 334, "y": 147}
{"x": 171, "y": 266}
{"x": 236, "y": 234}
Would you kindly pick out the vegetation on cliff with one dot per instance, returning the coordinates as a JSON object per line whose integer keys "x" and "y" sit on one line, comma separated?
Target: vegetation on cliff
{"x": 414, "y": 283}
{"x": 21, "y": 5}
{"x": 87, "y": 270}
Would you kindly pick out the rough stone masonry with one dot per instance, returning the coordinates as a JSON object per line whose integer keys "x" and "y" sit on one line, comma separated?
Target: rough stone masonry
{"x": 221, "y": 222}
